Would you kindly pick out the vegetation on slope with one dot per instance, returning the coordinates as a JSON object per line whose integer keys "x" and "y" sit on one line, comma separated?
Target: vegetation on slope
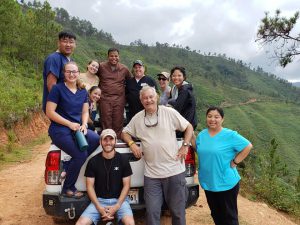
{"x": 261, "y": 106}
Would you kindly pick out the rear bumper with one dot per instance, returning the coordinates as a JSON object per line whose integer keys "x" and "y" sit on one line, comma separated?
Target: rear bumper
{"x": 59, "y": 206}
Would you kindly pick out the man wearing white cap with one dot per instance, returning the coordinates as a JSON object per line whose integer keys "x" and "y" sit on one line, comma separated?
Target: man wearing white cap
{"x": 107, "y": 182}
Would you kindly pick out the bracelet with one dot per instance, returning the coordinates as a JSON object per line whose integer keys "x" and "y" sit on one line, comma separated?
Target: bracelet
{"x": 234, "y": 162}
{"x": 130, "y": 143}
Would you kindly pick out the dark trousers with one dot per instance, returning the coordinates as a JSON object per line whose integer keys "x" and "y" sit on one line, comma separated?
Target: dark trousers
{"x": 67, "y": 143}
{"x": 223, "y": 206}
{"x": 174, "y": 191}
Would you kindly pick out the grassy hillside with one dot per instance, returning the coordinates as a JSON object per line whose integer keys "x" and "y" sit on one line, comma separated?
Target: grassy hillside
{"x": 256, "y": 104}
{"x": 259, "y": 105}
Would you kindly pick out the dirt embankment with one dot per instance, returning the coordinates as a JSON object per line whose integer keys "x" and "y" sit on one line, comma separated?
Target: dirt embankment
{"x": 24, "y": 131}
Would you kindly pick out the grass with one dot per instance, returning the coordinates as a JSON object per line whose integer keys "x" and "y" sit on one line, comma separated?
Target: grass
{"x": 19, "y": 153}
{"x": 262, "y": 121}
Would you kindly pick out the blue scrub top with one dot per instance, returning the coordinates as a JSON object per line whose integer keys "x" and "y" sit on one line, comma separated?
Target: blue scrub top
{"x": 69, "y": 106}
{"x": 214, "y": 156}
{"x": 54, "y": 64}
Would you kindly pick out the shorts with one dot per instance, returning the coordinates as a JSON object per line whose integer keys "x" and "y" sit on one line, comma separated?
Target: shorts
{"x": 92, "y": 213}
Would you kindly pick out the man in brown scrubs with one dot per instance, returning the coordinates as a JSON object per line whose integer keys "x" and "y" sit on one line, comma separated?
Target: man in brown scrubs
{"x": 112, "y": 76}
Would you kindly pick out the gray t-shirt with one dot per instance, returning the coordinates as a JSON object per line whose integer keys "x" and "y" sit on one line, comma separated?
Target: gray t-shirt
{"x": 159, "y": 143}
{"x": 165, "y": 95}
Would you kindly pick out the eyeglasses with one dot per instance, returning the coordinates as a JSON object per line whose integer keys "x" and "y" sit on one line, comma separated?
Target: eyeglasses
{"x": 68, "y": 72}
{"x": 148, "y": 122}
{"x": 162, "y": 78}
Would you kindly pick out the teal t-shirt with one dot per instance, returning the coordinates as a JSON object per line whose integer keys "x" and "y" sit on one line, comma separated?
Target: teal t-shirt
{"x": 214, "y": 156}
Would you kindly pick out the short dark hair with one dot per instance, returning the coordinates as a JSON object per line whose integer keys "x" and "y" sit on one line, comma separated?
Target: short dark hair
{"x": 66, "y": 34}
{"x": 93, "y": 88}
{"x": 181, "y": 69}
{"x": 112, "y": 50}
{"x": 219, "y": 109}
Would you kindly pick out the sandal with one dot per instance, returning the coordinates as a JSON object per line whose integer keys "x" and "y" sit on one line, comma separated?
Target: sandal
{"x": 74, "y": 194}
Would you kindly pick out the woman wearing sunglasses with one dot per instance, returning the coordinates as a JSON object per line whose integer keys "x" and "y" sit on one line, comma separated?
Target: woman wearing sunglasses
{"x": 163, "y": 80}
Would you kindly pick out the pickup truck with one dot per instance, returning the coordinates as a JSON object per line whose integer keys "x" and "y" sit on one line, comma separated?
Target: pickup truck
{"x": 62, "y": 207}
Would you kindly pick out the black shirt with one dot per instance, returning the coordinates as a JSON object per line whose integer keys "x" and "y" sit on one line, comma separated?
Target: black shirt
{"x": 108, "y": 174}
{"x": 133, "y": 93}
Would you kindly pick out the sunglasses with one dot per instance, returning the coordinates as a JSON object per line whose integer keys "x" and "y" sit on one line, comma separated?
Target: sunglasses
{"x": 162, "y": 78}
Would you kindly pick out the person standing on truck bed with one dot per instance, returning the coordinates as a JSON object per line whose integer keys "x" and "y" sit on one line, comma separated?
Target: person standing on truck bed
{"x": 108, "y": 183}
{"x": 54, "y": 63}
{"x": 164, "y": 174}
{"x": 182, "y": 97}
{"x": 67, "y": 108}
{"x": 112, "y": 76}
{"x": 134, "y": 85}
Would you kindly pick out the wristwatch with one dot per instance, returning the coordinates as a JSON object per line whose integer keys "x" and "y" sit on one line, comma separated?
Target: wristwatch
{"x": 185, "y": 144}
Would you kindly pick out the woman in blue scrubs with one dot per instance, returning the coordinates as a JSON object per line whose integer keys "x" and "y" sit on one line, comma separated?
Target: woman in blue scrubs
{"x": 219, "y": 151}
{"x": 67, "y": 108}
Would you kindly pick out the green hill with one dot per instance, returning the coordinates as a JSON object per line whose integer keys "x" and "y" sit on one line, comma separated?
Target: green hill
{"x": 259, "y": 105}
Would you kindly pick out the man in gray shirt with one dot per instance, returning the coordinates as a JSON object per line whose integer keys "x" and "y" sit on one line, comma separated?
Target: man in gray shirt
{"x": 164, "y": 173}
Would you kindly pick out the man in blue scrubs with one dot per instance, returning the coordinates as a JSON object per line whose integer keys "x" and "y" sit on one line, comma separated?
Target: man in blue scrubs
{"x": 54, "y": 63}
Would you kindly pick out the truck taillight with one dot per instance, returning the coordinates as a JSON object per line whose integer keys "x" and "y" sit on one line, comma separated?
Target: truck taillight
{"x": 52, "y": 171}
{"x": 190, "y": 168}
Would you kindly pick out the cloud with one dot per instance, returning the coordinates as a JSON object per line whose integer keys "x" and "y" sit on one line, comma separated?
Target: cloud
{"x": 209, "y": 26}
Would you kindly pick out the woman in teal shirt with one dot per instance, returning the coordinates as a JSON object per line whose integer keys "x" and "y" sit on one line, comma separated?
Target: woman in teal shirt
{"x": 219, "y": 151}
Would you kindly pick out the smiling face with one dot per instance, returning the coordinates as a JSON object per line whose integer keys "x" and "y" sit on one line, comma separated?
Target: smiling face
{"x": 66, "y": 46}
{"x": 95, "y": 95}
{"x": 214, "y": 120}
{"x": 163, "y": 82}
{"x": 93, "y": 67}
{"x": 138, "y": 71}
{"x": 148, "y": 99}
{"x": 113, "y": 58}
{"x": 108, "y": 143}
{"x": 177, "y": 78}
{"x": 71, "y": 72}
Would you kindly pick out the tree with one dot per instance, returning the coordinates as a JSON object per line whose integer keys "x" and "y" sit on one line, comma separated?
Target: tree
{"x": 277, "y": 32}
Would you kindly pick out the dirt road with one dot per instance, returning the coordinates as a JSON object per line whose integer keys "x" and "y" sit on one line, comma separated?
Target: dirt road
{"x": 21, "y": 189}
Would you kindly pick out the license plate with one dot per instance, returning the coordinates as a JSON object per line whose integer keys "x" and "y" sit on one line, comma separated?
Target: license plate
{"x": 133, "y": 196}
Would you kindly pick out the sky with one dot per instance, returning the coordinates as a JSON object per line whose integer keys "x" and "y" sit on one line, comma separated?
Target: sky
{"x": 222, "y": 26}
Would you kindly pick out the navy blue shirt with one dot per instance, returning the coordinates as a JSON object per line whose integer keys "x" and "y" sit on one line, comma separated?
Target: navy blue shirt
{"x": 133, "y": 93}
{"x": 54, "y": 64}
{"x": 69, "y": 106}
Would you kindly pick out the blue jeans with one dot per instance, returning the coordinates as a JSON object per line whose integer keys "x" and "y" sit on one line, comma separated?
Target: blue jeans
{"x": 93, "y": 214}
{"x": 173, "y": 190}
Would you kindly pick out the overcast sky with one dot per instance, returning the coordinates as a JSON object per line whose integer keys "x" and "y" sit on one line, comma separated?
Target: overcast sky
{"x": 221, "y": 26}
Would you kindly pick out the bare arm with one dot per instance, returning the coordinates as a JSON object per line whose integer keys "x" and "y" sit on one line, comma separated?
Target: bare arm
{"x": 241, "y": 156}
{"x": 111, "y": 210}
{"x": 54, "y": 116}
{"x": 133, "y": 147}
{"x": 85, "y": 117}
{"x": 51, "y": 80}
{"x": 183, "y": 150}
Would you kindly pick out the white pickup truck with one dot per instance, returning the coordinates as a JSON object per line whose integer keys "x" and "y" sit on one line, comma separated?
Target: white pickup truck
{"x": 59, "y": 206}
